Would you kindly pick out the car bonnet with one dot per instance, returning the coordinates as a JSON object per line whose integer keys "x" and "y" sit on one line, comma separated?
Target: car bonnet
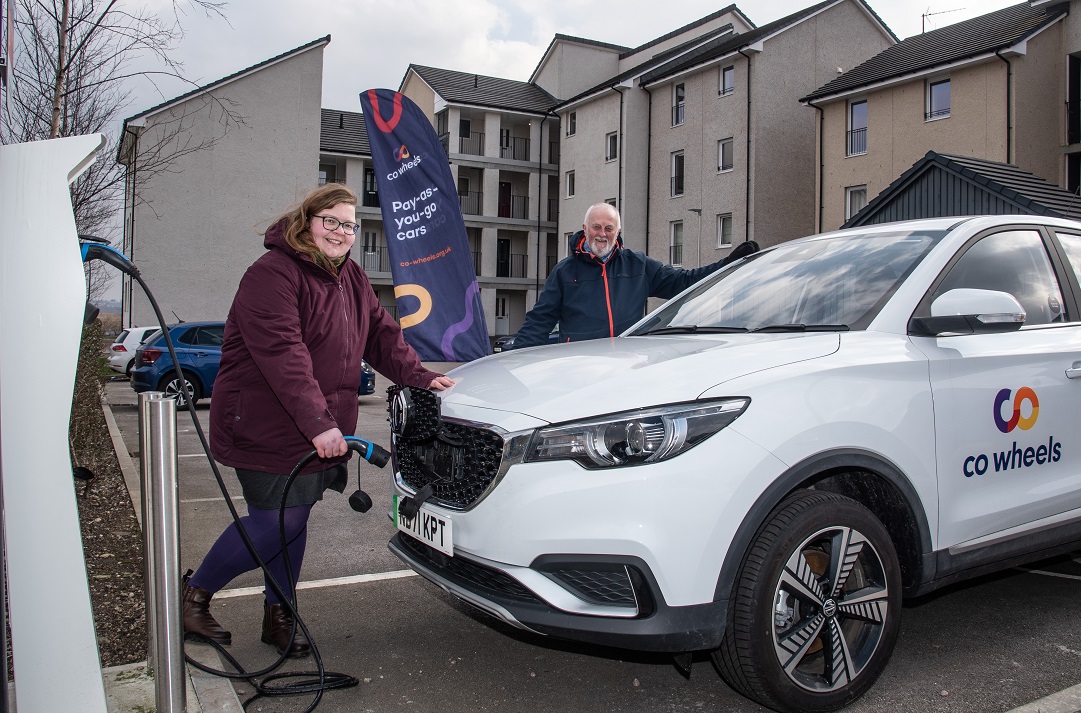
{"x": 563, "y": 382}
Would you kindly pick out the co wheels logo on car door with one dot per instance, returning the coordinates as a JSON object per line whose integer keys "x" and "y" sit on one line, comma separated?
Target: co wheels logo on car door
{"x": 1024, "y": 394}
{"x": 1015, "y": 456}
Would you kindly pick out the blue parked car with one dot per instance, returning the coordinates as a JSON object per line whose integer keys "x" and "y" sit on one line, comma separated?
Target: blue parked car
{"x": 367, "y": 379}
{"x": 198, "y": 348}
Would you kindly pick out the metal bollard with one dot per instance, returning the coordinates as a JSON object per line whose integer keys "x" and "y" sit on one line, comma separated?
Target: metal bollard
{"x": 161, "y": 537}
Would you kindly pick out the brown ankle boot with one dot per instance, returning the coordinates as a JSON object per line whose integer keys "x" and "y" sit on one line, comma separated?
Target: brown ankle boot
{"x": 277, "y": 625}
{"x": 198, "y": 621}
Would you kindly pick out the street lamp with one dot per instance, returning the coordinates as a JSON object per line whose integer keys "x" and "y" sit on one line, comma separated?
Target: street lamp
{"x": 698, "y": 247}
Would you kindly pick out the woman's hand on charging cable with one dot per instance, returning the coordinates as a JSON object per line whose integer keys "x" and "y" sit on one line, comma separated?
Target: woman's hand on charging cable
{"x": 330, "y": 444}
{"x": 441, "y": 382}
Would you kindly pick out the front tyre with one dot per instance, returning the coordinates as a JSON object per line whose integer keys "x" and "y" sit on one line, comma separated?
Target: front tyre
{"x": 816, "y": 608}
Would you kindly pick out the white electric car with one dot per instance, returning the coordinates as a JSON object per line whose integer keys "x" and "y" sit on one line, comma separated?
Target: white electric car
{"x": 766, "y": 464}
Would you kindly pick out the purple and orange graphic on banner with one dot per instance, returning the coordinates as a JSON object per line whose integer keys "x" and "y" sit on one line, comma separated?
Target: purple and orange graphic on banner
{"x": 434, "y": 279}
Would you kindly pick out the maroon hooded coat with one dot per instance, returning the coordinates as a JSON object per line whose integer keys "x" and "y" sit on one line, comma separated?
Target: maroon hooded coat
{"x": 290, "y": 362}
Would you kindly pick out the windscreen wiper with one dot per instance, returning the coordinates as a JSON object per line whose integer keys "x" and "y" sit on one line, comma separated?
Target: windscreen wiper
{"x": 802, "y": 328}
{"x": 692, "y": 329}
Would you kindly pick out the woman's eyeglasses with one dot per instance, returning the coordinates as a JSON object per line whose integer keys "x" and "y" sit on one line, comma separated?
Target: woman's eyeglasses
{"x": 331, "y": 223}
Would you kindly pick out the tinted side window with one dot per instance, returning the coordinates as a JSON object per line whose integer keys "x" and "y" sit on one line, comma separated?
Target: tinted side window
{"x": 189, "y": 336}
{"x": 1014, "y": 261}
{"x": 1072, "y": 245}
{"x": 121, "y": 337}
{"x": 211, "y": 336}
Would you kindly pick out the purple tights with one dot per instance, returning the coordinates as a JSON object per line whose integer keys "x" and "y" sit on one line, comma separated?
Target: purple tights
{"x": 229, "y": 557}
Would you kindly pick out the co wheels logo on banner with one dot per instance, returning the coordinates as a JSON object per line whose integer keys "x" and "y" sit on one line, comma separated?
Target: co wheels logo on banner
{"x": 1017, "y": 420}
{"x": 423, "y": 311}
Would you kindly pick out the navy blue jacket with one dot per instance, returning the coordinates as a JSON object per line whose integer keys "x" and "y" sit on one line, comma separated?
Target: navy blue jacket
{"x": 591, "y": 299}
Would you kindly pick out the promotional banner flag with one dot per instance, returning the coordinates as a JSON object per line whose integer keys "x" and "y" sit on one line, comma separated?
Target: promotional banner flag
{"x": 434, "y": 280}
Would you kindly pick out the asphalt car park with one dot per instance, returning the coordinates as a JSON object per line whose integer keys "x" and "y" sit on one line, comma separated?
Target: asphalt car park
{"x": 991, "y": 644}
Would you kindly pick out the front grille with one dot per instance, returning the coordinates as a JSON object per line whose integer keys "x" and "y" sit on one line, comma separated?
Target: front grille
{"x": 612, "y": 588}
{"x": 459, "y": 569}
{"x": 460, "y": 463}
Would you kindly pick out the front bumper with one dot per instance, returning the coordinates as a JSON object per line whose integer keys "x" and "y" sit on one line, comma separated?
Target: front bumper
{"x": 609, "y": 609}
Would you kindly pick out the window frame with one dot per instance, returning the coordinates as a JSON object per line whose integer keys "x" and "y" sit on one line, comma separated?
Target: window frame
{"x": 572, "y": 123}
{"x": 730, "y": 143}
{"x": 721, "y": 218}
{"x": 569, "y": 175}
{"x": 851, "y": 191}
{"x": 611, "y": 146}
{"x": 723, "y": 89}
{"x": 850, "y": 129}
{"x": 930, "y": 113}
{"x": 673, "y": 225}
{"x": 681, "y": 156}
{"x": 679, "y": 104}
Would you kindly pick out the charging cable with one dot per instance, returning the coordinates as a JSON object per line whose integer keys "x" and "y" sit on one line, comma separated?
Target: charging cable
{"x": 359, "y": 501}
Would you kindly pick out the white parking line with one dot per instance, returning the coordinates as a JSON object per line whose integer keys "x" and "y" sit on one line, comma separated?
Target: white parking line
{"x": 1074, "y": 577}
{"x": 320, "y": 583}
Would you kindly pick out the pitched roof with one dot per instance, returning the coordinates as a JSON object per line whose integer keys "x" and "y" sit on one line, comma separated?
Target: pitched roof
{"x": 125, "y": 145}
{"x": 481, "y": 90}
{"x": 343, "y": 132}
{"x": 1004, "y": 185}
{"x": 689, "y": 26}
{"x": 724, "y": 45}
{"x": 971, "y": 38}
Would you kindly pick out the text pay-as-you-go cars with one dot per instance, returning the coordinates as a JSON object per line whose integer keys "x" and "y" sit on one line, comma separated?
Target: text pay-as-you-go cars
{"x": 766, "y": 464}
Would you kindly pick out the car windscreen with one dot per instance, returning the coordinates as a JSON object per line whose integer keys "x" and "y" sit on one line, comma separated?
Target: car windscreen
{"x": 833, "y": 282}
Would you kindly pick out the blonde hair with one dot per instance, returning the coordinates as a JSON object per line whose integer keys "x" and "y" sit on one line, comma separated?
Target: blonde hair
{"x": 297, "y": 229}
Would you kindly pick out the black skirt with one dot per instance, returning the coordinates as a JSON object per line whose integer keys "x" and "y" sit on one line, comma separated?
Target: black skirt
{"x": 264, "y": 490}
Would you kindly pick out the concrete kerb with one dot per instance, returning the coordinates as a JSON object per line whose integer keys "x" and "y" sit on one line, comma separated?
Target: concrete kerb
{"x": 1067, "y": 701}
{"x": 128, "y": 688}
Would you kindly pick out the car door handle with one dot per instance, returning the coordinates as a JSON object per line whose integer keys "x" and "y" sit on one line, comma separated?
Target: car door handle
{"x": 1074, "y": 372}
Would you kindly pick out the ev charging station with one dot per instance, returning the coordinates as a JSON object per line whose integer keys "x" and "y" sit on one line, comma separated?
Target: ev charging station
{"x": 42, "y": 301}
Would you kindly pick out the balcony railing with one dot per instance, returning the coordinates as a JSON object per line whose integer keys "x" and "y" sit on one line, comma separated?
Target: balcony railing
{"x": 370, "y": 199}
{"x": 511, "y": 266}
{"x": 1073, "y": 122}
{"x": 677, "y": 114}
{"x": 675, "y": 254}
{"x": 375, "y": 259}
{"x": 473, "y": 144}
{"x": 937, "y": 114}
{"x": 550, "y": 264}
{"x": 476, "y": 263}
{"x": 518, "y": 150}
{"x": 514, "y": 207}
{"x": 472, "y": 202}
{"x": 553, "y": 152}
{"x": 553, "y": 209}
{"x": 857, "y": 142}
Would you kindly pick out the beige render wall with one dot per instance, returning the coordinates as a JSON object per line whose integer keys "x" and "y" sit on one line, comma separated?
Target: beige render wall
{"x": 198, "y": 227}
{"x": 898, "y": 135}
{"x": 572, "y": 68}
{"x": 1039, "y": 98}
{"x": 795, "y": 63}
{"x": 420, "y": 93}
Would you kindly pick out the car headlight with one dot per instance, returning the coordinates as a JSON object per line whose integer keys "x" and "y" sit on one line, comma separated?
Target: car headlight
{"x": 635, "y": 437}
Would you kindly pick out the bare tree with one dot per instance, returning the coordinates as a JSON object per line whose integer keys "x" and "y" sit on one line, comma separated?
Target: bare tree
{"x": 74, "y": 64}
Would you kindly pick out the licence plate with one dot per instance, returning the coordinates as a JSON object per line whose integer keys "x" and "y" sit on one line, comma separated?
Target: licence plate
{"x": 428, "y": 526}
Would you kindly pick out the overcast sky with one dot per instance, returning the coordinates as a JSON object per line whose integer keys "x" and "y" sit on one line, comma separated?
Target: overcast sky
{"x": 373, "y": 41}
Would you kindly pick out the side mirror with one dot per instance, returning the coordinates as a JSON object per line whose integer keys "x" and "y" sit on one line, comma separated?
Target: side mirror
{"x": 970, "y": 311}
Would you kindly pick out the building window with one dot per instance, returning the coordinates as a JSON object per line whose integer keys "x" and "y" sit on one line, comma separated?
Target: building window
{"x": 611, "y": 146}
{"x": 728, "y": 81}
{"x": 328, "y": 173}
{"x": 610, "y": 201}
{"x": 679, "y": 98}
{"x": 857, "y": 128}
{"x": 855, "y": 199}
{"x": 572, "y": 123}
{"x": 724, "y": 230}
{"x": 938, "y": 99}
{"x": 677, "y": 173}
{"x": 675, "y": 249}
{"x": 570, "y": 184}
{"x": 724, "y": 155}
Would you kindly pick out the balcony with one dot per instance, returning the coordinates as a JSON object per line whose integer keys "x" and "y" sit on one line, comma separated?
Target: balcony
{"x": 550, "y": 264}
{"x": 553, "y": 209}
{"x": 375, "y": 259}
{"x": 514, "y": 207}
{"x": 518, "y": 150}
{"x": 856, "y": 141}
{"x": 511, "y": 266}
{"x": 370, "y": 199}
{"x": 473, "y": 144}
{"x": 553, "y": 152}
{"x": 472, "y": 202}
{"x": 1073, "y": 122}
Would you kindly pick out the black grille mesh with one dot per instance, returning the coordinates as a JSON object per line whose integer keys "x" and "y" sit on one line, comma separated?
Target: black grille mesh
{"x": 456, "y": 568}
{"x": 600, "y": 587}
{"x": 459, "y": 464}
